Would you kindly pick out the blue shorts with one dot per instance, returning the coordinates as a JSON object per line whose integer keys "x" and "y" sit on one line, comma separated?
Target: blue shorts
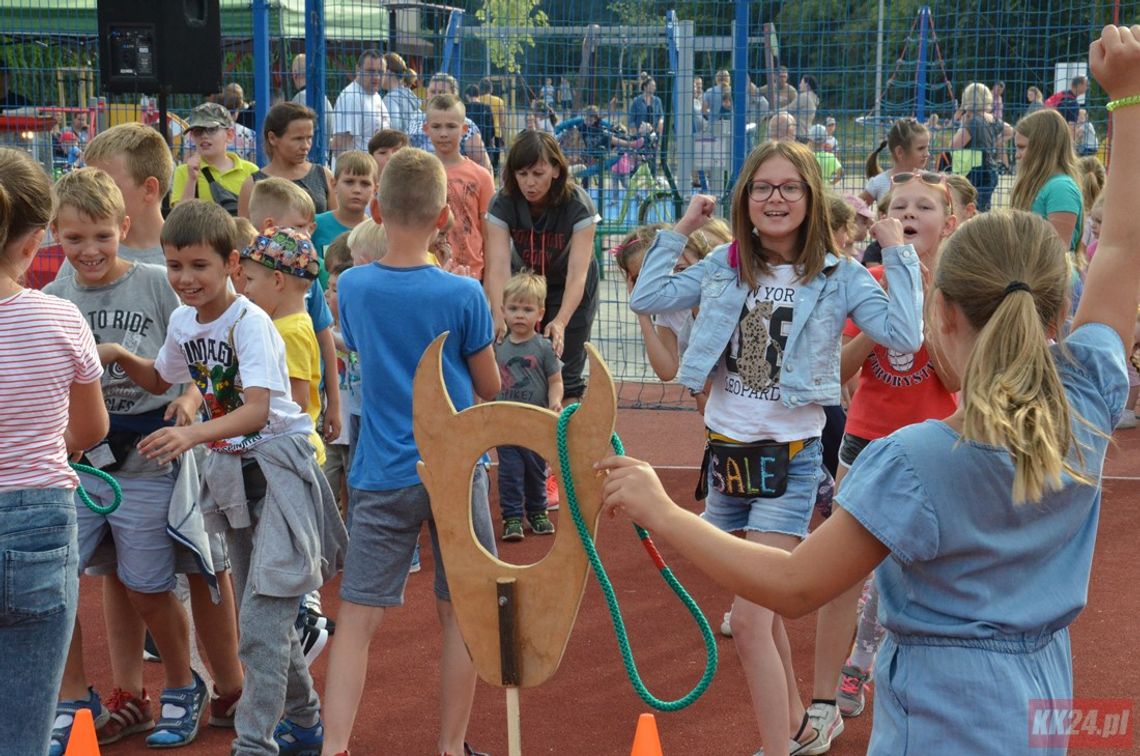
{"x": 144, "y": 550}
{"x": 383, "y": 529}
{"x": 789, "y": 514}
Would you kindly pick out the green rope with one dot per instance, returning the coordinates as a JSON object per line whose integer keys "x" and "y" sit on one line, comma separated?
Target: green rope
{"x": 108, "y": 479}
{"x": 608, "y": 589}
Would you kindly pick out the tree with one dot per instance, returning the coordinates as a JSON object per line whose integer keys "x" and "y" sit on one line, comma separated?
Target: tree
{"x": 508, "y": 46}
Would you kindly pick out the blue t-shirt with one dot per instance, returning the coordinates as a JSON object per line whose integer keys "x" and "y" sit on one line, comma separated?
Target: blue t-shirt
{"x": 967, "y": 563}
{"x": 389, "y": 316}
{"x": 1060, "y": 194}
{"x": 318, "y": 308}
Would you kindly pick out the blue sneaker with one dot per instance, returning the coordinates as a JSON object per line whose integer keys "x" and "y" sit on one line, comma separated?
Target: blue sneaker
{"x": 181, "y": 712}
{"x": 65, "y": 718}
{"x": 294, "y": 740}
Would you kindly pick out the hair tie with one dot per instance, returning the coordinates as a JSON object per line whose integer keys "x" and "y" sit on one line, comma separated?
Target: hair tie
{"x": 1016, "y": 286}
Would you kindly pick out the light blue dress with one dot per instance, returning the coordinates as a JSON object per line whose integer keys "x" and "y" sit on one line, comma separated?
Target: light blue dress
{"x": 978, "y": 593}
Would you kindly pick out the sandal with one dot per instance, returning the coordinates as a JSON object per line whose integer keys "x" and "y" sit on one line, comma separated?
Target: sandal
{"x": 181, "y": 710}
{"x": 65, "y": 718}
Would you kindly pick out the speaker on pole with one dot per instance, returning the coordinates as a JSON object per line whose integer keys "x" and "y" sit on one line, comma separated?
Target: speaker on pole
{"x": 175, "y": 45}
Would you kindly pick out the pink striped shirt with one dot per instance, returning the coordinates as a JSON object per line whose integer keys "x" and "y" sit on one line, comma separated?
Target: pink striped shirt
{"x": 45, "y": 347}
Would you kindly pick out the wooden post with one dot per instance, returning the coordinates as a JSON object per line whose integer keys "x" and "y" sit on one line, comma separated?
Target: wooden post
{"x": 509, "y": 661}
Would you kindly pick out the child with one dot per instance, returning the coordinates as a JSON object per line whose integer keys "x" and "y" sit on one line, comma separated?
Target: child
{"x": 211, "y": 173}
{"x": 909, "y": 147}
{"x": 469, "y": 185}
{"x": 864, "y": 219}
{"x": 389, "y": 504}
{"x": 138, "y": 159}
{"x": 894, "y": 389}
{"x": 131, "y": 303}
{"x": 53, "y": 407}
{"x": 354, "y": 184}
{"x": 338, "y": 461}
{"x": 666, "y": 335}
{"x": 964, "y": 195}
{"x": 531, "y": 374}
{"x": 829, "y": 165}
{"x": 261, "y": 483}
{"x": 771, "y": 313}
{"x": 1046, "y": 181}
{"x": 841, "y": 219}
{"x": 832, "y": 143}
{"x": 368, "y": 242}
{"x": 993, "y": 512}
{"x": 383, "y": 145}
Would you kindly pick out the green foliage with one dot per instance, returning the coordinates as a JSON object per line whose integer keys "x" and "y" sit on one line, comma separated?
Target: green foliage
{"x": 506, "y": 49}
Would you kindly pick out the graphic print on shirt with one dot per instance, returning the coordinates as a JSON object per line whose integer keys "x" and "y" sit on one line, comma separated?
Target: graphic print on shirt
{"x": 462, "y": 195}
{"x": 129, "y": 328}
{"x": 515, "y": 376}
{"x": 533, "y": 247}
{"x": 214, "y": 367}
{"x": 898, "y": 369}
{"x": 755, "y": 353}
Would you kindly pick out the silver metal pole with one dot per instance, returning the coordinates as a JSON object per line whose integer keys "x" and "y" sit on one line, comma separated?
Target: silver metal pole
{"x": 879, "y": 63}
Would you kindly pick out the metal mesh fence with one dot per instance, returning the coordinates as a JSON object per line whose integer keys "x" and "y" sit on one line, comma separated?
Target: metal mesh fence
{"x": 682, "y": 89}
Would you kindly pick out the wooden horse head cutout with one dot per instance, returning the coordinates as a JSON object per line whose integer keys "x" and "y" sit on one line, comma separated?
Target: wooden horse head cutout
{"x": 547, "y": 593}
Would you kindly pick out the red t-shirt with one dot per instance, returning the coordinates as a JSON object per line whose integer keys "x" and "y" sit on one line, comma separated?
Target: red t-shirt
{"x": 895, "y": 389}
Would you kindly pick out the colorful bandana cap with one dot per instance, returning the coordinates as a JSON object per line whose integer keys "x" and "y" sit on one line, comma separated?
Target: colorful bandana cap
{"x": 285, "y": 249}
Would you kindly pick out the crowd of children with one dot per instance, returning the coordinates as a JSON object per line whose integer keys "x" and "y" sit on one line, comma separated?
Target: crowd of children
{"x": 253, "y": 399}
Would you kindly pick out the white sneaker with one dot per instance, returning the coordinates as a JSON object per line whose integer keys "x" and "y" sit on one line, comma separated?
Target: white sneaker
{"x": 1127, "y": 420}
{"x": 828, "y": 724}
{"x": 726, "y": 624}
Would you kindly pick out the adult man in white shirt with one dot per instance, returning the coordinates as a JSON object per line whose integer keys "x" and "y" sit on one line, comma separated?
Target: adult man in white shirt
{"x": 359, "y": 111}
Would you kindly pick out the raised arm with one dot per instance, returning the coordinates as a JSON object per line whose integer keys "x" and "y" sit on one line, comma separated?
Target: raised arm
{"x": 658, "y": 288}
{"x": 1113, "y": 279}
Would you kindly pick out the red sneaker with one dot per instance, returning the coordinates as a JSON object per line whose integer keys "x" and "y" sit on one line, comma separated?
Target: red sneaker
{"x": 129, "y": 715}
{"x": 222, "y": 708}
{"x": 551, "y": 492}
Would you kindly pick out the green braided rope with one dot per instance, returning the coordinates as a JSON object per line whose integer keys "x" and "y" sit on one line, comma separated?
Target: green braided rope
{"x": 608, "y": 589}
{"x": 108, "y": 479}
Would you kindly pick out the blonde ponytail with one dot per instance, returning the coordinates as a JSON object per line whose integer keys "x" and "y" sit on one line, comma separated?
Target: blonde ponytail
{"x": 1008, "y": 272}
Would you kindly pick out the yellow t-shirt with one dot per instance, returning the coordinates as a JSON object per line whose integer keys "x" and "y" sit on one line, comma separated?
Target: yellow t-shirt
{"x": 303, "y": 359}
{"x": 498, "y": 112}
{"x": 231, "y": 180}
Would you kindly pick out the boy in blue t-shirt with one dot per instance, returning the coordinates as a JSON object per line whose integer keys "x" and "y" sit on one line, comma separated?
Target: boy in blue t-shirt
{"x": 390, "y": 311}
{"x": 354, "y": 184}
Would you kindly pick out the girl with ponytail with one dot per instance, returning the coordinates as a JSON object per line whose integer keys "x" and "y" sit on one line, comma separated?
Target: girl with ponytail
{"x": 908, "y": 144}
{"x": 993, "y": 512}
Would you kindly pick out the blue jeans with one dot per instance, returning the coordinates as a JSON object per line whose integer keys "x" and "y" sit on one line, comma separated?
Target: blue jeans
{"x": 522, "y": 481}
{"x": 39, "y": 584}
{"x": 985, "y": 181}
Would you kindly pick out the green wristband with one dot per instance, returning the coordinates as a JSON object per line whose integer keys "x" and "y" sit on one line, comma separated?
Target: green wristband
{"x": 1123, "y": 102}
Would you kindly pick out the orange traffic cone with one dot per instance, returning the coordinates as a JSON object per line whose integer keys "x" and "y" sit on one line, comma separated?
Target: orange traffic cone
{"x": 83, "y": 741}
{"x": 646, "y": 741}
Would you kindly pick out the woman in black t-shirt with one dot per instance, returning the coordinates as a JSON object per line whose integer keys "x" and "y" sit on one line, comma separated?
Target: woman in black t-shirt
{"x": 542, "y": 221}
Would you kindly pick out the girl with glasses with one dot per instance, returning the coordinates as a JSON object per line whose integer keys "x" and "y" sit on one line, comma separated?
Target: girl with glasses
{"x": 772, "y": 305}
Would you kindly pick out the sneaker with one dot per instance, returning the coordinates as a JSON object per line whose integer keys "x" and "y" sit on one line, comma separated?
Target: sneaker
{"x": 850, "y": 693}
{"x": 223, "y": 708}
{"x": 1127, "y": 420}
{"x": 726, "y": 624}
{"x": 539, "y": 523}
{"x": 828, "y": 724}
{"x": 150, "y": 649}
{"x": 313, "y": 642}
{"x": 551, "y": 492}
{"x": 127, "y": 715}
{"x": 294, "y": 740}
{"x": 180, "y": 715}
{"x": 316, "y": 619}
{"x": 416, "y": 567}
{"x": 512, "y": 529}
{"x": 65, "y": 718}
{"x": 467, "y": 751}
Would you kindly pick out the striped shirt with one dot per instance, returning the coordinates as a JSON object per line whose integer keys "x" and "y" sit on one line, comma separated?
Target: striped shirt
{"x": 45, "y": 347}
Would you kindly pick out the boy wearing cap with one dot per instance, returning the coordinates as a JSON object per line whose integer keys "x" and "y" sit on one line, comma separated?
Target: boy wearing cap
{"x": 829, "y": 165}
{"x": 211, "y": 173}
{"x": 832, "y": 144}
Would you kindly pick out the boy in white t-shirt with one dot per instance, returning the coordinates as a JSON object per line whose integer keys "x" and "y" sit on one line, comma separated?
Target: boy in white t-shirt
{"x": 261, "y": 486}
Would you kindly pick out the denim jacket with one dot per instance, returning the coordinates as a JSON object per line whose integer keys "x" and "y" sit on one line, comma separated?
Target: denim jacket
{"x": 810, "y": 370}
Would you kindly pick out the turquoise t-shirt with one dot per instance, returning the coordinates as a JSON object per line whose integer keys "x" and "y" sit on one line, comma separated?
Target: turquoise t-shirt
{"x": 1061, "y": 195}
{"x": 327, "y": 230}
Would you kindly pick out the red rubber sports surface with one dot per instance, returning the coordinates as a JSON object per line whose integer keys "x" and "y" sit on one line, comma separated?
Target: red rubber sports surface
{"x": 588, "y": 707}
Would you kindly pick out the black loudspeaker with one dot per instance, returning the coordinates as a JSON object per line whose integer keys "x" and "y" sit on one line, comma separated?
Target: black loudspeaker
{"x": 147, "y": 45}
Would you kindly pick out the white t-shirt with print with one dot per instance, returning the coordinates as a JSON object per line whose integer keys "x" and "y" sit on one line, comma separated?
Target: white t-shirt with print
{"x": 240, "y": 349}
{"x": 744, "y": 401}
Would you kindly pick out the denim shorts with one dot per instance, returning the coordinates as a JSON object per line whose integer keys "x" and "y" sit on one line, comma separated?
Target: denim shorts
{"x": 383, "y": 529}
{"x": 143, "y": 549}
{"x": 788, "y": 514}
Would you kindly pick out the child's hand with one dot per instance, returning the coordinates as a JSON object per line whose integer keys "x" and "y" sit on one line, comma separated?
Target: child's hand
{"x": 108, "y": 353}
{"x": 700, "y": 209}
{"x": 331, "y": 430}
{"x": 183, "y": 409}
{"x": 633, "y": 487}
{"x": 888, "y": 232}
{"x": 166, "y": 444}
{"x": 1115, "y": 60}
{"x": 451, "y": 266}
{"x": 192, "y": 165}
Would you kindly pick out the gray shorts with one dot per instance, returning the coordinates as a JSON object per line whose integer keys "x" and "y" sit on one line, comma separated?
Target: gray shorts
{"x": 145, "y": 553}
{"x": 383, "y": 528}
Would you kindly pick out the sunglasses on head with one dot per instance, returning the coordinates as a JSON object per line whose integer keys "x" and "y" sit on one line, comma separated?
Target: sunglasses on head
{"x": 929, "y": 178}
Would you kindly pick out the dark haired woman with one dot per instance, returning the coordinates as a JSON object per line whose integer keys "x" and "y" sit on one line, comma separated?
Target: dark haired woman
{"x": 550, "y": 221}
{"x": 288, "y": 133}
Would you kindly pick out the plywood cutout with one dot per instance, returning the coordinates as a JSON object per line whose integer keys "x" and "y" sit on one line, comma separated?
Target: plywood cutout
{"x": 549, "y": 592}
